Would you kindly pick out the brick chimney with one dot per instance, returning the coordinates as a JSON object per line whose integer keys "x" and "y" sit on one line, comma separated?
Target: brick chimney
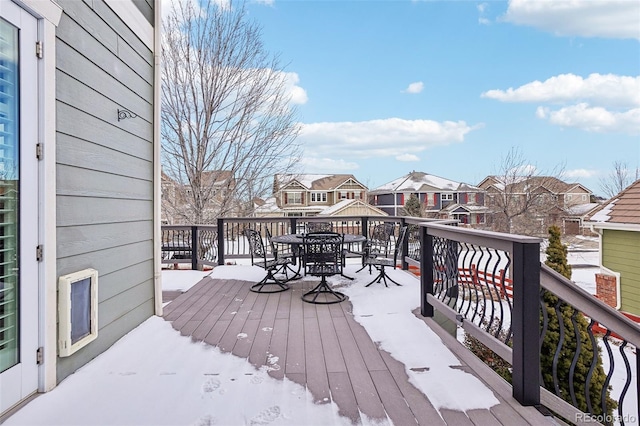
{"x": 606, "y": 289}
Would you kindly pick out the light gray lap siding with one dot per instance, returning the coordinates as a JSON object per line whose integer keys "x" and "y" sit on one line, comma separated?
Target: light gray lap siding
{"x": 104, "y": 166}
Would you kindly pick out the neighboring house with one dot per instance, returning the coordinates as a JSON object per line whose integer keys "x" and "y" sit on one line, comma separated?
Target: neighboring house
{"x": 79, "y": 126}
{"x": 617, "y": 222}
{"x": 440, "y": 198}
{"x": 177, "y": 200}
{"x": 311, "y": 194}
{"x": 548, "y": 200}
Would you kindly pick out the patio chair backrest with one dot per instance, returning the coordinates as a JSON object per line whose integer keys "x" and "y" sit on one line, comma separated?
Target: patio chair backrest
{"x": 398, "y": 251}
{"x": 319, "y": 227}
{"x": 380, "y": 238}
{"x": 256, "y": 244}
{"x": 323, "y": 253}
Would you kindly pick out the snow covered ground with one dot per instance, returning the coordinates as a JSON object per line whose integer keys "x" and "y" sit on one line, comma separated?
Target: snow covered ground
{"x": 155, "y": 376}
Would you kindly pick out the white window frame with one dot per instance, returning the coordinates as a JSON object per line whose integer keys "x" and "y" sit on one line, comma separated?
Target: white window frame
{"x": 318, "y": 197}
{"x": 446, "y": 196}
{"x": 291, "y": 197}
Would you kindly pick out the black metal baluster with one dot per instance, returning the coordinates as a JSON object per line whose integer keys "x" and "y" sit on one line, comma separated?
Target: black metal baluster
{"x": 605, "y": 386}
{"x": 545, "y": 326}
{"x": 556, "y": 356}
{"x": 592, "y": 367}
{"x": 627, "y": 367}
{"x": 576, "y": 355}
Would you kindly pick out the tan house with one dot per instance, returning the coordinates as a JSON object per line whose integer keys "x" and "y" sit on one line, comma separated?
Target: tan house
{"x": 178, "y": 201}
{"x": 317, "y": 195}
{"x": 544, "y": 200}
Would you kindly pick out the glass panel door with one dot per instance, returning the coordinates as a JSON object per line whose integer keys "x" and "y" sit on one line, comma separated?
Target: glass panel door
{"x": 9, "y": 187}
{"x": 19, "y": 124}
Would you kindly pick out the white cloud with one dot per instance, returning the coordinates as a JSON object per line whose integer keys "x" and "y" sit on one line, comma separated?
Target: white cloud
{"x": 407, "y": 157}
{"x": 593, "y": 119}
{"x": 389, "y": 137}
{"x": 265, "y": 2}
{"x": 338, "y": 147}
{"x": 482, "y": 8}
{"x": 603, "y": 90}
{"x": 414, "y": 88}
{"x": 580, "y": 173}
{"x": 586, "y": 18}
{"x": 297, "y": 93}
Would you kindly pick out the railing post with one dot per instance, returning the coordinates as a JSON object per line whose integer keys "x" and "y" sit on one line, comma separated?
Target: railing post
{"x": 526, "y": 323}
{"x": 294, "y": 225}
{"x": 426, "y": 271}
{"x": 405, "y": 246}
{"x": 220, "y": 241}
{"x": 194, "y": 247}
{"x": 364, "y": 226}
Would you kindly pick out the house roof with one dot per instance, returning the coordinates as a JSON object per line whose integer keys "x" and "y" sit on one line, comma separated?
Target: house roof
{"x": 621, "y": 209}
{"x": 471, "y": 208}
{"x": 344, "y": 204}
{"x": 422, "y": 182}
{"x": 520, "y": 184}
{"x": 315, "y": 182}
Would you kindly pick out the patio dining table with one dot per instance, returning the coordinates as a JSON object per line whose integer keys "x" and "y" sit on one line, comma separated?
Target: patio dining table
{"x": 296, "y": 240}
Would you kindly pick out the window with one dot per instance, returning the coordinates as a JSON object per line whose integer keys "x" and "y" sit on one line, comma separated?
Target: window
{"x": 447, "y": 196}
{"x": 342, "y": 195}
{"x": 318, "y": 197}
{"x": 584, "y": 197}
{"x": 293, "y": 198}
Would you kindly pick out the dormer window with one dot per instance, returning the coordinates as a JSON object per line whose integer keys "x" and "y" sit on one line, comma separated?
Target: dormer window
{"x": 293, "y": 197}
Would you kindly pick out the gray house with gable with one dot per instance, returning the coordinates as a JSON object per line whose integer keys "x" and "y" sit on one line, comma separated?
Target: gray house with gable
{"x": 440, "y": 198}
{"x": 79, "y": 184}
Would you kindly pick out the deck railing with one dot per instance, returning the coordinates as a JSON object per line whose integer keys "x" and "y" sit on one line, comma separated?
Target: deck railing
{"x": 495, "y": 288}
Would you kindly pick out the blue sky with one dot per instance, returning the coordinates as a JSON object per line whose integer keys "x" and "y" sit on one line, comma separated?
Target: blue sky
{"x": 448, "y": 87}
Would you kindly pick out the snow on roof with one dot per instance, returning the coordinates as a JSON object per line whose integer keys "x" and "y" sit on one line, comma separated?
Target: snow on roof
{"x": 581, "y": 209}
{"x": 336, "y": 207}
{"x": 268, "y": 206}
{"x": 603, "y": 214}
{"x": 414, "y": 181}
{"x": 305, "y": 179}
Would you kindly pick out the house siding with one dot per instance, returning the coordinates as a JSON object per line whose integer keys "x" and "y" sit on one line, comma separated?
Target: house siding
{"x": 104, "y": 166}
{"x": 620, "y": 254}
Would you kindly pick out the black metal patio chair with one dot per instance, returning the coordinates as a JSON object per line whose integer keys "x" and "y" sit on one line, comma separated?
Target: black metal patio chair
{"x": 378, "y": 243}
{"x": 268, "y": 261}
{"x": 323, "y": 258}
{"x": 380, "y": 262}
{"x": 290, "y": 253}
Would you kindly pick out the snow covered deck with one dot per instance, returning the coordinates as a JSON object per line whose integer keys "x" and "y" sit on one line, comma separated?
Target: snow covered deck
{"x": 371, "y": 356}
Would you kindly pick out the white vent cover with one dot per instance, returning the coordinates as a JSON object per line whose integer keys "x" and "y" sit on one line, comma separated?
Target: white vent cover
{"x": 77, "y": 310}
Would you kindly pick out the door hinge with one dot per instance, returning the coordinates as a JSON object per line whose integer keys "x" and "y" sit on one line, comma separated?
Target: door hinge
{"x": 39, "y": 50}
{"x": 40, "y": 356}
{"x": 39, "y": 151}
{"x": 39, "y": 253}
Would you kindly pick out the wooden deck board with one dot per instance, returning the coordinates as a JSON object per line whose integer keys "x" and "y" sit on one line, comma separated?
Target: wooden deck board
{"x": 317, "y": 379}
{"x": 342, "y": 394}
{"x": 321, "y": 347}
{"x": 331, "y": 348}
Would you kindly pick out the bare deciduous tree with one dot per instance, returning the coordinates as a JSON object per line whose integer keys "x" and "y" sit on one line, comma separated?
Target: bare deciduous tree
{"x": 227, "y": 121}
{"x": 521, "y": 196}
{"x": 620, "y": 177}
